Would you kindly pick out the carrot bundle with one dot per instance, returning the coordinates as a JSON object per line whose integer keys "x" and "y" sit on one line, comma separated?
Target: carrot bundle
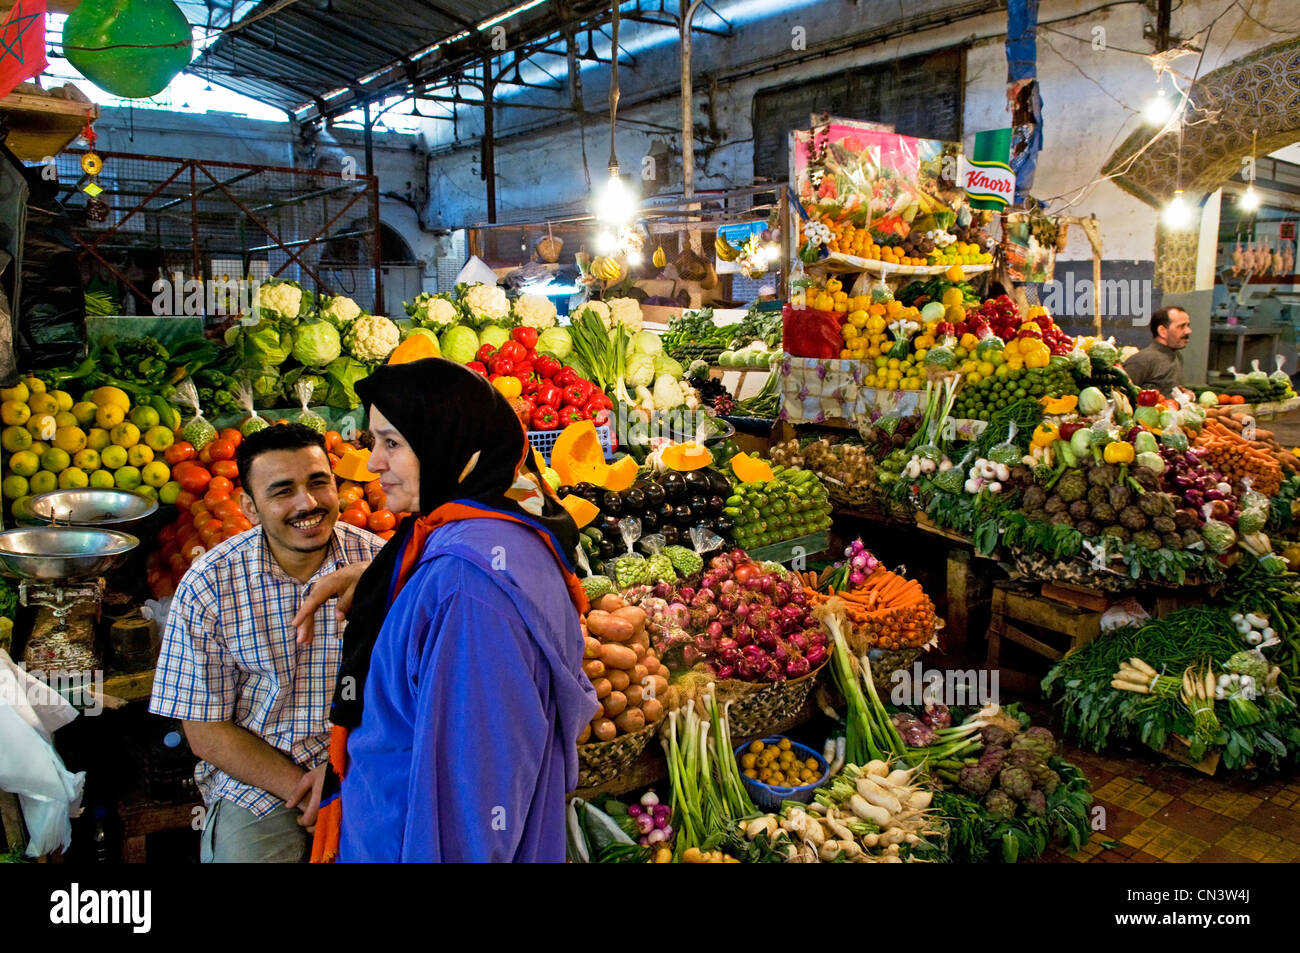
{"x": 886, "y": 612}
{"x": 1238, "y": 458}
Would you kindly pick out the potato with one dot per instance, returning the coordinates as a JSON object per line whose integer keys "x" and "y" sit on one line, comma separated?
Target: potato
{"x": 653, "y": 709}
{"x": 619, "y": 679}
{"x": 631, "y": 720}
{"x": 610, "y": 602}
{"x": 634, "y": 695}
{"x": 639, "y": 649}
{"x": 586, "y": 733}
{"x": 633, "y": 616}
{"x": 603, "y": 729}
{"x": 600, "y": 712}
{"x": 615, "y": 704}
{"x": 617, "y": 656}
{"x": 661, "y": 685}
{"x": 651, "y": 664}
{"x": 603, "y": 686}
{"x": 594, "y": 668}
{"x": 608, "y": 627}
{"x": 639, "y": 672}
{"x": 591, "y": 647}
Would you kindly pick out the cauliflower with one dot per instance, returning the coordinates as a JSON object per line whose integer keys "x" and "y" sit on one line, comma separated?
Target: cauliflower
{"x": 340, "y": 311}
{"x": 535, "y": 311}
{"x": 667, "y": 393}
{"x": 371, "y": 338}
{"x": 600, "y": 310}
{"x": 487, "y": 303}
{"x": 434, "y": 311}
{"x": 282, "y": 298}
{"x": 625, "y": 312}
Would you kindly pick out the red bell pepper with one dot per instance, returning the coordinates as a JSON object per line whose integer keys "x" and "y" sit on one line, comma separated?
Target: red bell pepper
{"x": 1149, "y": 398}
{"x": 575, "y": 395}
{"x": 525, "y": 336}
{"x": 524, "y": 368}
{"x": 1069, "y": 430}
{"x": 477, "y": 366}
{"x": 571, "y": 415}
{"x": 485, "y": 353}
{"x": 530, "y": 384}
{"x": 550, "y": 395}
{"x": 546, "y": 366}
{"x": 600, "y": 396}
{"x": 513, "y": 351}
{"x": 545, "y": 418}
{"x": 502, "y": 365}
{"x": 564, "y": 377}
{"x": 596, "y": 412}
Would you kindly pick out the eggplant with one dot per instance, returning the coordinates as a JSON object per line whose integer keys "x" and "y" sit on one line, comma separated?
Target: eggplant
{"x": 723, "y": 524}
{"x": 674, "y": 485}
{"x": 696, "y": 481}
{"x": 718, "y": 482}
{"x": 589, "y": 492}
{"x": 563, "y": 490}
{"x": 606, "y": 549}
{"x": 682, "y": 514}
{"x": 655, "y": 495}
{"x": 716, "y": 505}
{"x": 667, "y": 513}
{"x": 699, "y": 507}
{"x": 634, "y": 499}
{"x": 649, "y": 521}
{"x": 670, "y": 534}
{"x": 612, "y": 503}
{"x": 608, "y": 524}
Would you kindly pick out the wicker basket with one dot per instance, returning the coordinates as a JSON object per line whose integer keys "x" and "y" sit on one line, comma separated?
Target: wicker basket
{"x": 757, "y": 707}
{"x": 605, "y": 760}
{"x": 884, "y": 667}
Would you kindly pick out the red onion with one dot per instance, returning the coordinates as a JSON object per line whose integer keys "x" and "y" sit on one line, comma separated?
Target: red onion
{"x": 742, "y": 611}
{"x": 686, "y": 593}
{"x": 729, "y": 656}
{"x": 781, "y": 593}
{"x": 766, "y": 583}
{"x": 726, "y": 671}
{"x": 797, "y": 667}
{"x": 743, "y": 634}
{"x": 715, "y": 630}
{"x": 727, "y": 619}
{"x": 766, "y": 637}
{"x": 727, "y": 603}
{"x": 798, "y": 597}
{"x": 727, "y": 586}
{"x": 753, "y": 583}
{"x": 663, "y": 590}
{"x": 816, "y": 655}
{"x": 798, "y": 641}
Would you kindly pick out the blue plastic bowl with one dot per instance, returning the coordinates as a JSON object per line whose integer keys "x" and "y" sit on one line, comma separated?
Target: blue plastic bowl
{"x": 768, "y": 797}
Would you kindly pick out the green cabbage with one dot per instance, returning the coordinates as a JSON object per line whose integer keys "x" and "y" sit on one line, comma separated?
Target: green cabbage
{"x": 666, "y": 365}
{"x": 556, "y": 342}
{"x": 317, "y": 343}
{"x": 647, "y": 342}
{"x": 1104, "y": 351}
{"x": 640, "y": 370}
{"x": 265, "y": 344}
{"x": 493, "y": 334}
{"x": 459, "y": 344}
{"x": 343, "y": 375}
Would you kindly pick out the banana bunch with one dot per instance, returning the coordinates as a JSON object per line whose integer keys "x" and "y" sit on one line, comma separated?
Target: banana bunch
{"x": 606, "y": 269}
{"x": 659, "y": 258}
{"x": 725, "y": 250}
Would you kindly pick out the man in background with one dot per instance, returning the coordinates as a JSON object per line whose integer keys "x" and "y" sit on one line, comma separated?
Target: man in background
{"x": 1159, "y": 365}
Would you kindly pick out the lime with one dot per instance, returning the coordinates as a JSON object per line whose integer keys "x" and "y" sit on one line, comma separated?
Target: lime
{"x": 73, "y": 478}
{"x": 43, "y": 481}
{"x": 14, "y": 486}
{"x": 55, "y": 460}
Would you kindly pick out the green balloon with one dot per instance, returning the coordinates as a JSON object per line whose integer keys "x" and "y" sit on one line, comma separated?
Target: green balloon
{"x": 140, "y": 62}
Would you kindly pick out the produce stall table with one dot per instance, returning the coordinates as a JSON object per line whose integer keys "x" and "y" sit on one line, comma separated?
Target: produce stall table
{"x": 1232, "y": 337}
{"x": 838, "y": 263}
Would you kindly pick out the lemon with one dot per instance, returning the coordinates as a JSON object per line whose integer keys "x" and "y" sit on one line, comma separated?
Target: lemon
{"x": 70, "y": 439}
{"x": 39, "y": 447}
{"x": 42, "y": 427}
{"x": 62, "y": 398}
{"x": 109, "y": 416}
{"x": 139, "y": 454}
{"x": 156, "y": 474}
{"x": 882, "y": 361}
{"x": 102, "y": 479}
{"x": 55, "y": 460}
{"x": 87, "y": 460}
{"x": 18, "y": 392}
{"x": 14, "y": 414}
{"x": 986, "y": 368}
{"x": 24, "y": 463}
{"x": 14, "y": 439}
{"x": 148, "y": 492}
{"x": 921, "y": 353}
{"x": 14, "y": 486}
{"x": 64, "y": 419}
{"x": 127, "y": 478}
{"x": 43, "y": 404}
{"x": 84, "y": 411}
{"x": 43, "y": 481}
{"x": 113, "y": 457}
{"x": 125, "y": 434}
{"x": 144, "y": 417}
{"x": 895, "y": 363}
{"x": 112, "y": 396}
{"x": 73, "y": 479}
{"x": 973, "y": 379}
{"x": 844, "y": 354}
{"x": 168, "y": 492}
{"x": 34, "y": 384}
{"x": 97, "y": 438}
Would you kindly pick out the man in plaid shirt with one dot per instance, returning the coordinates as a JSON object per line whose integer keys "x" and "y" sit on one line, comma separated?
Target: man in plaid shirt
{"x": 253, "y": 701}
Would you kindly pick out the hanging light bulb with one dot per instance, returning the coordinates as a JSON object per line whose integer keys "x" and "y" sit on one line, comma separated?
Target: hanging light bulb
{"x": 615, "y": 203}
{"x": 1177, "y": 214}
{"x": 633, "y": 257}
{"x": 1249, "y": 199}
{"x": 606, "y": 244}
{"x": 1158, "y": 108}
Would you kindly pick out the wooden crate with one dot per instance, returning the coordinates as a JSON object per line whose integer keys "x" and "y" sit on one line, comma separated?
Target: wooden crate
{"x": 1044, "y": 626}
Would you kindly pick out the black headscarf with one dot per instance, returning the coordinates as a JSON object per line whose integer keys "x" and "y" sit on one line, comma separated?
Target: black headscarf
{"x": 447, "y": 414}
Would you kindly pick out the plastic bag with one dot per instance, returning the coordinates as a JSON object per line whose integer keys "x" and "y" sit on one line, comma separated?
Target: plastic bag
{"x": 1008, "y": 452}
{"x": 1280, "y": 376}
{"x": 807, "y": 332}
{"x": 306, "y": 416}
{"x": 1254, "y": 509}
{"x": 630, "y": 569}
{"x": 197, "y": 430}
{"x": 1127, "y": 613}
{"x": 659, "y": 565}
{"x": 253, "y": 422}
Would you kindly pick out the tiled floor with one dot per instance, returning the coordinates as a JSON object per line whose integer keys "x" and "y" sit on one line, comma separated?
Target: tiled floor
{"x": 1162, "y": 813}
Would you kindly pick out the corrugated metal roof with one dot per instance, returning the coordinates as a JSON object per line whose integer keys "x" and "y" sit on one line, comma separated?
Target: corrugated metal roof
{"x": 299, "y": 54}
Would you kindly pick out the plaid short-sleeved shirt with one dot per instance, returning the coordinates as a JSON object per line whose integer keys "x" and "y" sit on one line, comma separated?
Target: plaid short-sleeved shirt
{"x": 229, "y": 654}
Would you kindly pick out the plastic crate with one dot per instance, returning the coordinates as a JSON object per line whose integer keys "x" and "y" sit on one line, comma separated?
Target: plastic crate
{"x": 543, "y": 440}
{"x": 767, "y": 797}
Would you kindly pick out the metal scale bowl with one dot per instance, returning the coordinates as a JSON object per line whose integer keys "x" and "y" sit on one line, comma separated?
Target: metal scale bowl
{"x": 60, "y": 568}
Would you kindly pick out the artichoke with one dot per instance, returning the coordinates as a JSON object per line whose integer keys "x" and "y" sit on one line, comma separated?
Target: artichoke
{"x": 992, "y": 759}
{"x": 995, "y": 736}
{"x": 999, "y": 806}
{"x": 974, "y": 779}
{"x": 1038, "y": 740}
{"x": 1016, "y": 782}
{"x": 1035, "y": 803}
{"x": 1046, "y": 779}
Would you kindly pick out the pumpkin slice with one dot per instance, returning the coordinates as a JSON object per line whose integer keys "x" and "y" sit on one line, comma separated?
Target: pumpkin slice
{"x": 750, "y": 469}
{"x": 684, "y": 457}
{"x": 578, "y": 456}
{"x": 420, "y": 344}
{"x": 582, "y": 511}
{"x": 622, "y": 474}
{"x": 352, "y": 466}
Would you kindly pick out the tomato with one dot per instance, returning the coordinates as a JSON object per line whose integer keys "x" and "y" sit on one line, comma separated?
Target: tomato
{"x": 381, "y": 521}
{"x": 179, "y": 452}
{"x": 184, "y": 500}
{"x": 211, "y": 537}
{"x": 354, "y": 516}
{"x": 221, "y": 485}
{"x": 745, "y": 572}
{"x": 194, "y": 480}
{"x": 350, "y": 494}
{"x": 387, "y": 534}
{"x": 377, "y": 501}
{"x": 206, "y": 522}
{"x": 332, "y": 440}
{"x": 167, "y": 535}
{"x": 205, "y": 455}
{"x": 227, "y": 508}
{"x": 232, "y": 434}
{"x": 199, "y": 507}
{"x": 225, "y": 468}
{"x": 236, "y": 525}
{"x": 221, "y": 450}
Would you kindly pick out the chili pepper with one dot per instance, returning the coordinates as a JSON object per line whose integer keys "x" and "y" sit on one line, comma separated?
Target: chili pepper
{"x": 525, "y": 336}
{"x": 545, "y": 418}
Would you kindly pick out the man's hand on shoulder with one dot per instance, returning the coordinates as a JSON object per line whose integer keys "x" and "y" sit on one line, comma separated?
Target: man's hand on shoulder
{"x": 341, "y": 583}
